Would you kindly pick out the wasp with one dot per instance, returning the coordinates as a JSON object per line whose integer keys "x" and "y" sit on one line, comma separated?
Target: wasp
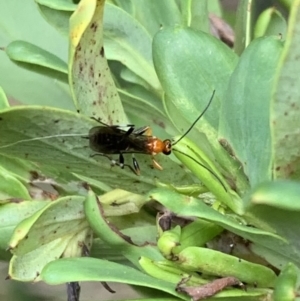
{"x": 112, "y": 139}
{"x": 107, "y": 140}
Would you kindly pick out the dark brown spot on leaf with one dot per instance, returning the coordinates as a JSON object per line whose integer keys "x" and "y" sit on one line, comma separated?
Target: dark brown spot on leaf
{"x": 94, "y": 26}
{"x": 92, "y": 71}
{"x": 102, "y": 51}
{"x": 34, "y": 175}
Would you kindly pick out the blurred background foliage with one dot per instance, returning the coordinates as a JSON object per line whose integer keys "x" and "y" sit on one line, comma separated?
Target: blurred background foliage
{"x": 20, "y": 85}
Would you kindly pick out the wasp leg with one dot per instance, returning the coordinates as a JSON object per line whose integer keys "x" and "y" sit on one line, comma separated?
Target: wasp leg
{"x": 121, "y": 160}
{"x": 114, "y": 162}
{"x": 136, "y": 166}
{"x": 129, "y": 131}
{"x": 156, "y": 164}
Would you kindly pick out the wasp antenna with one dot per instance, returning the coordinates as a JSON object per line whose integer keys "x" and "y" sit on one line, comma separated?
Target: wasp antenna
{"x": 193, "y": 124}
{"x": 205, "y": 167}
{"x": 40, "y": 138}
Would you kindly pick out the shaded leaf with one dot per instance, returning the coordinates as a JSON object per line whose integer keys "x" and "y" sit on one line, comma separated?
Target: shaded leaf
{"x": 270, "y": 22}
{"x": 25, "y": 52}
{"x": 274, "y": 206}
{"x": 127, "y": 41}
{"x": 57, "y": 230}
{"x": 247, "y": 14}
{"x": 285, "y": 116}
{"x": 11, "y": 187}
{"x": 111, "y": 235}
{"x": 68, "y": 5}
{"x": 190, "y": 206}
{"x": 195, "y": 15}
{"x": 29, "y": 266}
{"x": 91, "y": 269}
{"x": 154, "y": 15}
{"x": 245, "y": 114}
{"x": 57, "y": 18}
{"x": 27, "y": 24}
{"x": 190, "y": 66}
{"x": 33, "y": 58}
{"x": 53, "y": 139}
{"x": 12, "y": 214}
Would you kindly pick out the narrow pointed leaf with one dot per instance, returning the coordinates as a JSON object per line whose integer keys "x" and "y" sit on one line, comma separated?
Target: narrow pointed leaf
{"x": 92, "y": 86}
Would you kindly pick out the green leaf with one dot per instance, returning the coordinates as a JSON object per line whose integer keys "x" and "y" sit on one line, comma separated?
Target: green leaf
{"x": 214, "y": 6}
{"x": 154, "y": 15}
{"x": 189, "y": 73}
{"x": 21, "y": 169}
{"x": 91, "y": 269}
{"x": 242, "y": 27}
{"x": 204, "y": 169}
{"x": 21, "y": 51}
{"x": 247, "y": 14}
{"x": 128, "y": 41}
{"x": 145, "y": 112}
{"x": 287, "y": 4}
{"x": 190, "y": 66}
{"x": 11, "y": 187}
{"x": 272, "y": 194}
{"x": 29, "y": 266}
{"x": 27, "y": 24}
{"x": 57, "y": 18}
{"x": 195, "y": 15}
{"x": 190, "y": 206}
{"x": 53, "y": 139}
{"x": 59, "y": 229}
{"x": 67, "y": 5}
{"x": 212, "y": 262}
{"x": 12, "y": 214}
{"x": 60, "y": 219}
{"x": 274, "y": 206}
{"x": 286, "y": 284}
{"x": 285, "y": 118}
{"x": 40, "y": 61}
{"x": 245, "y": 115}
{"x": 3, "y": 100}
{"x": 91, "y": 83}
{"x": 108, "y": 233}
{"x": 270, "y": 22}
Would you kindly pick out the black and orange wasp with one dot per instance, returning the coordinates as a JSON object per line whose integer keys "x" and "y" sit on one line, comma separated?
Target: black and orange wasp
{"x": 107, "y": 140}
